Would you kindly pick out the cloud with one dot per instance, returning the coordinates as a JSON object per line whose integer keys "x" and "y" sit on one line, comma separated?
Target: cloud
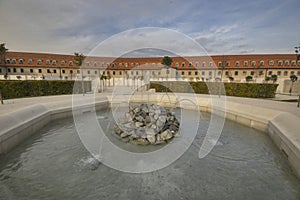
{"x": 233, "y": 26}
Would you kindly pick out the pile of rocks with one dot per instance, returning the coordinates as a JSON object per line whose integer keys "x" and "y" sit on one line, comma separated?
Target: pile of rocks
{"x": 147, "y": 124}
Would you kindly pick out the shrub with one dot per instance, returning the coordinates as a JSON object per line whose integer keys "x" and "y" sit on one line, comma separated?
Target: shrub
{"x": 32, "y": 88}
{"x": 253, "y": 90}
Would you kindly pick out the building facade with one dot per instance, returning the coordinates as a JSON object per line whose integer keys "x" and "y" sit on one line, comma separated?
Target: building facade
{"x": 36, "y": 66}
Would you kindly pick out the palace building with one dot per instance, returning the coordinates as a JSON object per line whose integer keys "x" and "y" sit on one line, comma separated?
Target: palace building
{"x": 36, "y": 66}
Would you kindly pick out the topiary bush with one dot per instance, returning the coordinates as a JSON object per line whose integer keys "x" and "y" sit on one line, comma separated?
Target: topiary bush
{"x": 33, "y": 88}
{"x": 252, "y": 90}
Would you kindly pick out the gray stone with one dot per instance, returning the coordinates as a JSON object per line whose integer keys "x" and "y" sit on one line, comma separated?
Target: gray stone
{"x": 139, "y": 124}
{"x": 151, "y": 139}
{"x": 124, "y": 134}
{"x": 166, "y": 135}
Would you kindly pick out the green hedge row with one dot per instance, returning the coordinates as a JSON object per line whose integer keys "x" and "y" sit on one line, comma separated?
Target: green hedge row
{"x": 19, "y": 89}
{"x": 252, "y": 90}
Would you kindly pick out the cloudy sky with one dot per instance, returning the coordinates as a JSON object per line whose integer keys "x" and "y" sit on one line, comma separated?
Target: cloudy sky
{"x": 219, "y": 26}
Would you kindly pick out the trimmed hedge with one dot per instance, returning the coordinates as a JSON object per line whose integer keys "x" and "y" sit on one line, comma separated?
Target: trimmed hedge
{"x": 33, "y": 88}
{"x": 252, "y": 90}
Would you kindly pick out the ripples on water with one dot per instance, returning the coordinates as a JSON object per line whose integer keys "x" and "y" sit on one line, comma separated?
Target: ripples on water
{"x": 53, "y": 164}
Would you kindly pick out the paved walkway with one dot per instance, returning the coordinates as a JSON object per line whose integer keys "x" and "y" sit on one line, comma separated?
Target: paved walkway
{"x": 15, "y": 104}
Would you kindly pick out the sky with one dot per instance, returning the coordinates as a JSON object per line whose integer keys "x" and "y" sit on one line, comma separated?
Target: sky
{"x": 217, "y": 26}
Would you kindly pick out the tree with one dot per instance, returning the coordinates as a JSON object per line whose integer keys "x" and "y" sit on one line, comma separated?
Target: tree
{"x": 249, "y": 78}
{"x": 274, "y": 78}
{"x": 3, "y": 51}
{"x": 293, "y": 78}
{"x": 78, "y": 58}
{"x": 167, "y": 61}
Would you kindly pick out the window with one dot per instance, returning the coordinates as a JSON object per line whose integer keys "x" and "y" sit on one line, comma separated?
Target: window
{"x": 40, "y": 70}
{"x": 279, "y": 62}
{"x": 137, "y": 64}
{"x": 48, "y": 71}
{"x": 114, "y": 73}
{"x": 285, "y": 73}
{"x": 153, "y": 64}
{"x": 182, "y": 73}
{"x": 293, "y": 63}
{"x": 189, "y": 73}
{"x": 87, "y": 64}
{"x": 298, "y": 62}
{"x": 30, "y": 61}
{"x": 132, "y": 64}
{"x": 21, "y": 61}
{"x": 182, "y": 64}
{"x": 22, "y": 70}
{"x": 0, "y": 70}
{"x": 131, "y": 72}
{"x": 63, "y": 63}
{"x": 71, "y": 71}
{"x": 203, "y": 73}
{"x": 210, "y": 64}
{"x": 177, "y": 64}
{"x": 196, "y": 73}
{"x": 71, "y": 63}
{"x": 120, "y": 64}
{"x": 286, "y": 63}
{"x": 292, "y": 72}
{"x": 7, "y": 61}
{"x": 227, "y": 63}
{"x": 252, "y": 73}
{"x": 113, "y": 65}
{"x": 236, "y": 73}
{"x": 88, "y": 71}
{"x": 39, "y": 62}
{"x": 271, "y": 62}
{"x": 95, "y": 64}
{"x": 63, "y": 71}
{"x": 197, "y": 64}
{"x": 261, "y": 63}
{"x": 298, "y": 73}
{"x": 14, "y": 70}
{"x": 78, "y": 71}
{"x": 53, "y": 62}
{"x": 245, "y": 63}
{"x": 120, "y": 72}
{"x": 96, "y": 72}
{"x": 190, "y": 64}
{"x": 47, "y": 62}
{"x": 278, "y": 73}
{"x": 261, "y": 73}
{"x": 270, "y": 73}
{"x": 220, "y": 64}
{"x": 137, "y": 73}
{"x": 226, "y": 73}
{"x": 253, "y": 63}
{"x": 237, "y": 64}
{"x": 54, "y": 71}
{"x": 244, "y": 72}
{"x": 8, "y": 70}
{"x": 219, "y": 73}
{"x": 203, "y": 64}
{"x": 13, "y": 61}
{"x": 31, "y": 70}
{"x": 209, "y": 73}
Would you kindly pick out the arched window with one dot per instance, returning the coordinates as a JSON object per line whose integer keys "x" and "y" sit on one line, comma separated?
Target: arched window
{"x": 113, "y": 65}
{"x": 54, "y": 62}
{"x": 30, "y": 61}
{"x": 245, "y": 63}
{"x": 210, "y": 64}
{"x": 63, "y": 63}
{"x": 183, "y": 64}
{"x": 293, "y": 63}
{"x": 39, "y": 62}
{"x": 21, "y": 61}
{"x": 203, "y": 64}
{"x": 87, "y": 64}
{"x": 253, "y": 63}
{"x": 95, "y": 64}
{"x": 153, "y": 64}
{"x": 47, "y": 62}
{"x": 177, "y": 64}
{"x": 7, "y": 61}
{"x": 190, "y": 64}
{"x": 261, "y": 63}
{"x": 13, "y": 61}
{"x": 120, "y": 65}
{"x": 271, "y": 62}
{"x": 280, "y": 62}
{"x": 136, "y": 64}
{"x": 237, "y": 63}
{"x": 286, "y": 63}
{"x": 197, "y": 64}
{"x": 219, "y": 64}
{"x": 227, "y": 63}
{"x": 71, "y": 63}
